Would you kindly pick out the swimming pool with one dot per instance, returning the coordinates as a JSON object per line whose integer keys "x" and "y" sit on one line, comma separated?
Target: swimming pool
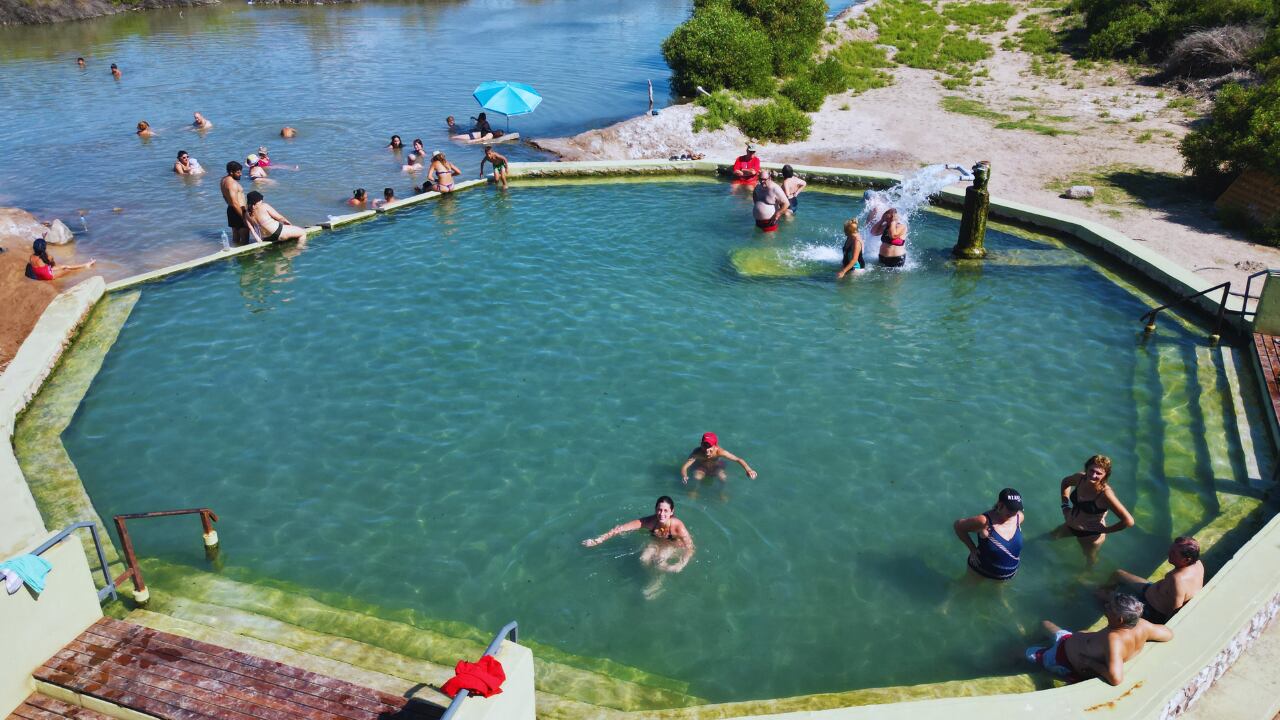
{"x": 491, "y": 378}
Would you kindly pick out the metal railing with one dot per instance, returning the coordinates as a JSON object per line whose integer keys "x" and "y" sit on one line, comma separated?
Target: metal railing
{"x": 132, "y": 572}
{"x": 1149, "y": 318}
{"x": 1248, "y": 287}
{"x": 110, "y": 589}
{"x": 510, "y": 631}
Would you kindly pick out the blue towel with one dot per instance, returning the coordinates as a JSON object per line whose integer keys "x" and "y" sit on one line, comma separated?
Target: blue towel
{"x": 30, "y": 568}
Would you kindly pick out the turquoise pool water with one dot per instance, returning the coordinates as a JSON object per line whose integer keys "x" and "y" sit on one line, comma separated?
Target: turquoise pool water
{"x": 432, "y": 410}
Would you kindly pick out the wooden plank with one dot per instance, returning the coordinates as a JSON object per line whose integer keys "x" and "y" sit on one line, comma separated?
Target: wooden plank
{"x": 235, "y": 685}
{"x": 350, "y": 695}
{"x": 63, "y": 709}
{"x": 120, "y": 693}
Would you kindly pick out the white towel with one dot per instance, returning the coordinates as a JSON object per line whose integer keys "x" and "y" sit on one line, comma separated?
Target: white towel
{"x": 11, "y": 581}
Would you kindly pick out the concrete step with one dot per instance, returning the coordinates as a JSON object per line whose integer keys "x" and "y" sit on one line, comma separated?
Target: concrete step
{"x": 250, "y": 608}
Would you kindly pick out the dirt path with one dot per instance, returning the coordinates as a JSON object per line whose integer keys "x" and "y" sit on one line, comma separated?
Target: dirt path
{"x": 1118, "y": 135}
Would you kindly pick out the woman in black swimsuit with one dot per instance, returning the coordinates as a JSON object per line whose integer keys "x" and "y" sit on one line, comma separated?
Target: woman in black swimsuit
{"x": 1086, "y": 498}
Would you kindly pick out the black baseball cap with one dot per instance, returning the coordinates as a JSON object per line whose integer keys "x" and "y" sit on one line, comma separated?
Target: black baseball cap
{"x": 1011, "y": 499}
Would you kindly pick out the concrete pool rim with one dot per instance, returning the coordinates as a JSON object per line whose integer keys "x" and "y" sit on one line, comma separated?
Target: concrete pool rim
{"x": 1163, "y": 680}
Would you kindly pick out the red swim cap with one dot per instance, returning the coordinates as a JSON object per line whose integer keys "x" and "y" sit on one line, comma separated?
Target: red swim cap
{"x": 710, "y": 439}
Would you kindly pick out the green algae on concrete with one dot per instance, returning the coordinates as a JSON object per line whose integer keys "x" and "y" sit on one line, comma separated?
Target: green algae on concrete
{"x": 37, "y": 438}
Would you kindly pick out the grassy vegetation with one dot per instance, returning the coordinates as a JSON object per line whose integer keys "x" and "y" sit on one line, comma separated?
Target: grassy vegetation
{"x": 931, "y": 39}
{"x": 1121, "y": 186}
{"x": 1034, "y": 124}
{"x": 777, "y": 120}
{"x": 721, "y": 107}
{"x": 965, "y": 106}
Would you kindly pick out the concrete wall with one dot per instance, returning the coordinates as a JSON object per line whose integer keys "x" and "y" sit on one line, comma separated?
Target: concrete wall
{"x": 33, "y": 628}
{"x": 515, "y": 702}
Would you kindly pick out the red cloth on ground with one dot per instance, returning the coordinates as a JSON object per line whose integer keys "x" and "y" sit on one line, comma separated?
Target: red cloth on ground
{"x": 482, "y": 678}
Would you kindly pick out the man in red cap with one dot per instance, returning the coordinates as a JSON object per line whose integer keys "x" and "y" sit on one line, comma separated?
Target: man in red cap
{"x": 708, "y": 459}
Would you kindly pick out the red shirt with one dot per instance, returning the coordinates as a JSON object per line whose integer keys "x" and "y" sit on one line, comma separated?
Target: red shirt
{"x": 747, "y": 162}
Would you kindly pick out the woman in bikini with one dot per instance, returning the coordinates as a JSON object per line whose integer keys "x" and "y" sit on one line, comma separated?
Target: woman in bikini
{"x": 1086, "y": 498}
{"x": 893, "y": 239}
{"x": 670, "y": 538}
{"x": 442, "y": 172}
{"x": 42, "y": 267}
{"x": 998, "y": 551}
{"x": 270, "y": 225}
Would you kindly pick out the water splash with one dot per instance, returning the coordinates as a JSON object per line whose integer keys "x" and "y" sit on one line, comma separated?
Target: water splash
{"x": 226, "y": 241}
{"x": 907, "y": 197}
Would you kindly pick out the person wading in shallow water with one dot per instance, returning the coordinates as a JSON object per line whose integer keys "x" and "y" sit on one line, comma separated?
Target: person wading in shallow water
{"x": 708, "y": 459}
{"x": 233, "y": 194}
{"x": 670, "y": 548}
{"x": 998, "y": 551}
{"x": 1086, "y": 498}
{"x": 769, "y": 202}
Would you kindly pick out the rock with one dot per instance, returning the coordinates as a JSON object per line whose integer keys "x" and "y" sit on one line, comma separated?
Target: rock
{"x": 20, "y": 224}
{"x": 1250, "y": 266}
{"x": 59, "y": 233}
{"x": 1079, "y": 192}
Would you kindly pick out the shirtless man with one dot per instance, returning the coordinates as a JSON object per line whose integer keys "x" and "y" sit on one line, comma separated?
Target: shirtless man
{"x": 1164, "y": 598}
{"x": 199, "y": 122}
{"x": 770, "y": 202}
{"x": 1101, "y": 654}
{"x": 115, "y": 71}
{"x": 792, "y": 185}
{"x": 233, "y": 194}
{"x": 708, "y": 459}
{"x": 80, "y": 62}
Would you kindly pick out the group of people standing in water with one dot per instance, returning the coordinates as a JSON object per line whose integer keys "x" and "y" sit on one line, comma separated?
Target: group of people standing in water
{"x": 773, "y": 200}
{"x": 1136, "y": 610}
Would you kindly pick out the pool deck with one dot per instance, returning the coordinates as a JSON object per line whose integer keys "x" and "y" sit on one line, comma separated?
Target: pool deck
{"x": 1163, "y": 681}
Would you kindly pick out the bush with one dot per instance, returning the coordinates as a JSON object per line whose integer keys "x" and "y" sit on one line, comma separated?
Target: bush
{"x": 1146, "y": 29}
{"x": 794, "y": 28}
{"x": 1210, "y": 53}
{"x": 778, "y": 120}
{"x": 718, "y": 48}
{"x": 1243, "y": 132}
{"x": 721, "y": 111}
{"x": 805, "y": 92}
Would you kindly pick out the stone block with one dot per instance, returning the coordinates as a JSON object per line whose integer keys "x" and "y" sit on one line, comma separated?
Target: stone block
{"x": 59, "y": 233}
{"x": 1079, "y": 192}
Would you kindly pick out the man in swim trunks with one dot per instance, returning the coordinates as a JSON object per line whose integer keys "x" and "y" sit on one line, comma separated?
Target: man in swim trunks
{"x": 747, "y": 167}
{"x": 792, "y": 185}
{"x": 708, "y": 459}
{"x": 770, "y": 202}
{"x": 233, "y": 194}
{"x": 1101, "y": 654}
{"x": 1164, "y": 598}
{"x": 499, "y": 163}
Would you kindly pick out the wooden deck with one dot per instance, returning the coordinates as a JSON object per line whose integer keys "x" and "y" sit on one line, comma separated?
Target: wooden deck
{"x": 176, "y": 678}
{"x": 40, "y": 707}
{"x": 1268, "y": 349}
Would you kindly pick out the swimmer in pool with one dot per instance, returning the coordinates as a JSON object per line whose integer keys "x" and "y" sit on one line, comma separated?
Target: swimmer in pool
{"x": 187, "y": 165}
{"x": 144, "y": 129}
{"x": 199, "y": 122}
{"x": 671, "y": 548}
{"x": 288, "y": 133}
{"x": 769, "y": 202}
{"x": 359, "y": 198}
{"x": 852, "y": 249}
{"x": 1086, "y": 498}
{"x": 893, "y": 239}
{"x": 708, "y": 459}
{"x": 792, "y": 186}
{"x": 80, "y": 63}
{"x": 388, "y": 197}
{"x": 396, "y": 143}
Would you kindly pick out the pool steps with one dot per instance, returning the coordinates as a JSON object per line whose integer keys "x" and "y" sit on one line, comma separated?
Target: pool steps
{"x": 295, "y": 618}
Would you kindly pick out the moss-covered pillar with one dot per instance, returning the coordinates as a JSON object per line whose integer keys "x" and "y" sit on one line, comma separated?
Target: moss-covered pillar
{"x": 973, "y": 224}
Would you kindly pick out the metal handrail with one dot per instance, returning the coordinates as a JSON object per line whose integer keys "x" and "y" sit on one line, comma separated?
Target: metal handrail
{"x": 110, "y": 589}
{"x": 510, "y": 631}
{"x": 133, "y": 573}
{"x": 1248, "y": 285}
{"x": 1149, "y": 317}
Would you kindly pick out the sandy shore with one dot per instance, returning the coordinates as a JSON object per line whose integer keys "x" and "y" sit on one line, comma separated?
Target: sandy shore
{"x": 903, "y": 127}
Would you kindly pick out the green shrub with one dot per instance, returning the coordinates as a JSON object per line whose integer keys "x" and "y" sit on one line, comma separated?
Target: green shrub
{"x": 778, "y": 120}
{"x": 980, "y": 16}
{"x": 1146, "y": 29}
{"x": 718, "y": 48}
{"x": 794, "y": 28}
{"x": 1243, "y": 132}
{"x": 721, "y": 111}
{"x": 805, "y": 92}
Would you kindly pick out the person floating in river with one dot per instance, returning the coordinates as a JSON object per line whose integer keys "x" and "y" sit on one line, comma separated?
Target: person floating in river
{"x": 709, "y": 459}
{"x": 998, "y": 551}
{"x": 115, "y": 72}
{"x": 1086, "y": 498}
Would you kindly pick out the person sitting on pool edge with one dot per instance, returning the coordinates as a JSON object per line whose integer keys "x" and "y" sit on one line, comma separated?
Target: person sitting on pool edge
{"x": 1101, "y": 654}
{"x": 852, "y": 249}
{"x": 440, "y": 175}
{"x": 270, "y": 225}
{"x": 668, "y": 532}
{"x": 42, "y": 267}
{"x": 746, "y": 167}
{"x": 1161, "y": 600}
{"x": 998, "y": 551}
{"x": 769, "y": 203}
{"x": 708, "y": 459}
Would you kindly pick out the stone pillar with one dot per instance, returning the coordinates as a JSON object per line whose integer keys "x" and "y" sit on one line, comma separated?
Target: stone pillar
{"x": 973, "y": 224}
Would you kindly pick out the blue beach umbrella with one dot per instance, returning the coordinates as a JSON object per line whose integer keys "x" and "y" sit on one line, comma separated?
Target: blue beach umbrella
{"x": 507, "y": 98}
